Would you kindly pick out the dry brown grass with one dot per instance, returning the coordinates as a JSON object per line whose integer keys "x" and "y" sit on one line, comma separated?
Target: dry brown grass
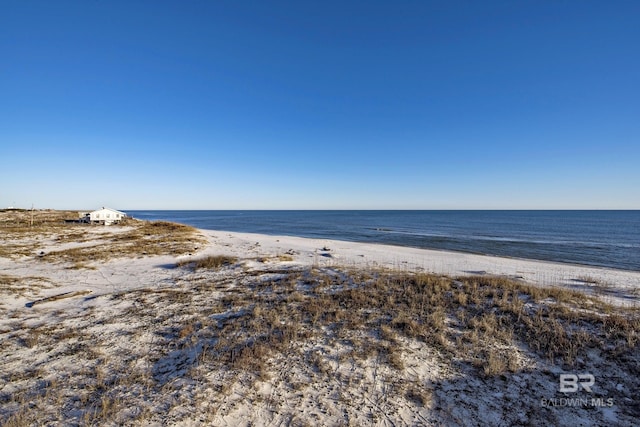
{"x": 272, "y": 315}
{"x": 21, "y": 228}
{"x": 144, "y": 238}
{"x": 212, "y": 262}
{"x": 28, "y": 286}
{"x": 23, "y": 220}
{"x": 284, "y": 257}
{"x": 140, "y": 238}
{"x": 9, "y": 282}
{"x": 233, "y": 331}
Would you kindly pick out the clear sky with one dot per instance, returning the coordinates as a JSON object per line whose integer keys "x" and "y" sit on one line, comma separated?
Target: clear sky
{"x": 320, "y": 104}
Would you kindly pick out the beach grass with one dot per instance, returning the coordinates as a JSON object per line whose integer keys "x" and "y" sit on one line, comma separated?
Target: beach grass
{"x": 90, "y": 243}
{"x": 301, "y": 332}
{"x": 211, "y": 262}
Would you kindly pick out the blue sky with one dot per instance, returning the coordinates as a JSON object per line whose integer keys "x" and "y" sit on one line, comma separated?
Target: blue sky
{"x": 320, "y": 105}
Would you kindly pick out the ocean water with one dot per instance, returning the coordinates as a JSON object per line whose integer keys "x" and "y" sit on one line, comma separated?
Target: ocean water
{"x": 598, "y": 238}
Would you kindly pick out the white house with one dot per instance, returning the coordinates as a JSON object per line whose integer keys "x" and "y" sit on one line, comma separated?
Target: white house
{"x": 105, "y": 216}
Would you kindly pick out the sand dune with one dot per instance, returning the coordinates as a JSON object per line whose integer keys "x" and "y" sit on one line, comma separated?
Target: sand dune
{"x": 293, "y": 331}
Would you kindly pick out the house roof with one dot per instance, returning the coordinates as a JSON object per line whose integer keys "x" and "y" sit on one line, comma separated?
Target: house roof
{"x": 110, "y": 210}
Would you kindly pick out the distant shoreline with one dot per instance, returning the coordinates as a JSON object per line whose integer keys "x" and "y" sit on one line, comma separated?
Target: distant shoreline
{"x": 607, "y": 239}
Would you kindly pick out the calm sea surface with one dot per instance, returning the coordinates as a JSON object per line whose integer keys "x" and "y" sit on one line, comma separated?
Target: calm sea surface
{"x": 600, "y": 238}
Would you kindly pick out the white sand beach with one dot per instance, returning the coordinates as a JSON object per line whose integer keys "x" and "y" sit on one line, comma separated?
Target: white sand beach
{"x": 129, "y": 341}
{"x": 622, "y": 284}
{"x": 620, "y": 287}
